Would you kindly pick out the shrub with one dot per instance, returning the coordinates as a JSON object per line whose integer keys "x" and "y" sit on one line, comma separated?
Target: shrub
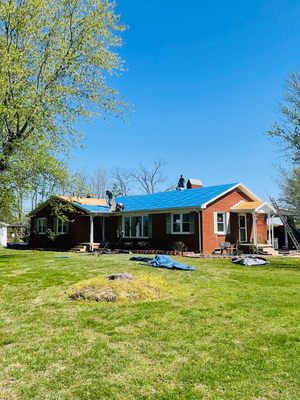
{"x": 179, "y": 246}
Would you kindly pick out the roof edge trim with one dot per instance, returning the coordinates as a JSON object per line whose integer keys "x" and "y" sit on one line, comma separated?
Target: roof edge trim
{"x": 240, "y": 185}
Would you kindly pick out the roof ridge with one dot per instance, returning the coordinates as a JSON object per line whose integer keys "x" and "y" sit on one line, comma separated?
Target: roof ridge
{"x": 178, "y": 191}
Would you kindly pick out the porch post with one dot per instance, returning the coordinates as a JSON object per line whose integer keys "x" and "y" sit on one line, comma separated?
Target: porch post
{"x": 272, "y": 230}
{"x": 199, "y": 232}
{"x": 103, "y": 229}
{"x": 254, "y": 228}
{"x": 91, "y": 232}
{"x": 268, "y": 227}
{"x": 286, "y": 238}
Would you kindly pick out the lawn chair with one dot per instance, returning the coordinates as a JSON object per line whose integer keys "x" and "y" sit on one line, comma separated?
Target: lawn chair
{"x": 228, "y": 247}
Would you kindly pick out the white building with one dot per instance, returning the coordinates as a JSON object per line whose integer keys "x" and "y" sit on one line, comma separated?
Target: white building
{"x": 3, "y": 234}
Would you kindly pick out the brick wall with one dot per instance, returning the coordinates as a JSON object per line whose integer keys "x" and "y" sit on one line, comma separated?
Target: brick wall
{"x": 160, "y": 239}
{"x": 79, "y": 230}
{"x": 262, "y": 229}
{"x": 210, "y": 240}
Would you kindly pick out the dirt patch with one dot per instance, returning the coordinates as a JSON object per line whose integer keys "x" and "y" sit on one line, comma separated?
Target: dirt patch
{"x": 127, "y": 289}
{"x": 123, "y": 276}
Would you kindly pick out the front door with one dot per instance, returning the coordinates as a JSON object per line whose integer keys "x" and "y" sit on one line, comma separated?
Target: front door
{"x": 242, "y": 228}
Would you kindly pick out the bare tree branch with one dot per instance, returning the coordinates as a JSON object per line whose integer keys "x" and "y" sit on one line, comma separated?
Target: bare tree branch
{"x": 149, "y": 179}
{"x": 122, "y": 179}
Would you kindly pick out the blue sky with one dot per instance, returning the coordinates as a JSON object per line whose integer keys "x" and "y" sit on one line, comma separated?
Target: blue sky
{"x": 205, "y": 79}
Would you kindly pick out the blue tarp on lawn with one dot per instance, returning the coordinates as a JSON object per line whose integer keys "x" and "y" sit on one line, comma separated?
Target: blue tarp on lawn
{"x": 168, "y": 262}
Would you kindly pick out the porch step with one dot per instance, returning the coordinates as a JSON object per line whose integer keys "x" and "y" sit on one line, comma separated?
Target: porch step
{"x": 267, "y": 250}
{"x": 82, "y": 247}
{"x": 79, "y": 248}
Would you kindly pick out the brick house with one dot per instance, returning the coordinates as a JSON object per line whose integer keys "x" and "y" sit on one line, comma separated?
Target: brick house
{"x": 200, "y": 217}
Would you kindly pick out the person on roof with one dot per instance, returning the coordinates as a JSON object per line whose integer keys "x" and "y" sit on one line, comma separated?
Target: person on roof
{"x": 181, "y": 183}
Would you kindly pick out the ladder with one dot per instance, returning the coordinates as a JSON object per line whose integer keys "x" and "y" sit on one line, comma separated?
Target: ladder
{"x": 285, "y": 224}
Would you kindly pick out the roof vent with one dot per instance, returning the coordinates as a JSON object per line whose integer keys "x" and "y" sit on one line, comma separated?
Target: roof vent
{"x": 194, "y": 184}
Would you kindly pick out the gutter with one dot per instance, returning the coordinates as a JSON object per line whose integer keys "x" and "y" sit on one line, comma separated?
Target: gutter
{"x": 151, "y": 211}
{"x": 199, "y": 232}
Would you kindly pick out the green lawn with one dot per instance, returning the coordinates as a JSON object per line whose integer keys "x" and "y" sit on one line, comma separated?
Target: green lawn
{"x": 226, "y": 332}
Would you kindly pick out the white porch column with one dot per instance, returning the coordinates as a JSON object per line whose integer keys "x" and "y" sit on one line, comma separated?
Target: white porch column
{"x": 268, "y": 227}
{"x": 272, "y": 230}
{"x": 91, "y": 233}
{"x": 254, "y": 228}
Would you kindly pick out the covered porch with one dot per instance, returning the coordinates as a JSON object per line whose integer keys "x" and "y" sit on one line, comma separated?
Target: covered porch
{"x": 278, "y": 231}
{"x": 96, "y": 235}
{"x": 253, "y": 226}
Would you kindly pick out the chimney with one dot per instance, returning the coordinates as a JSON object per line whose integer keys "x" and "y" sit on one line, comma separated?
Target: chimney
{"x": 194, "y": 184}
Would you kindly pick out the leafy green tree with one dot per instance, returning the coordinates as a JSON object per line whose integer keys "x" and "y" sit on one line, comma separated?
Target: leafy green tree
{"x": 55, "y": 56}
{"x": 77, "y": 184}
{"x": 290, "y": 186}
{"x": 288, "y": 130}
{"x": 8, "y": 204}
{"x": 35, "y": 174}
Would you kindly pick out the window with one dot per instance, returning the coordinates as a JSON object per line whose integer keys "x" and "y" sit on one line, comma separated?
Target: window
{"x": 222, "y": 223}
{"x": 136, "y": 226}
{"x": 41, "y": 225}
{"x": 61, "y": 227}
{"x": 242, "y": 228}
{"x": 181, "y": 223}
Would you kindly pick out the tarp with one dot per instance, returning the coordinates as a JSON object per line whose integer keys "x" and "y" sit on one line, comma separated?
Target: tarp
{"x": 250, "y": 261}
{"x": 161, "y": 261}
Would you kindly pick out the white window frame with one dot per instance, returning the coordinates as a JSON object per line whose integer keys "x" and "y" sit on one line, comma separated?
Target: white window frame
{"x": 226, "y": 223}
{"x": 180, "y": 224}
{"x": 245, "y": 228}
{"x": 63, "y": 223}
{"x": 140, "y": 229}
{"x": 43, "y": 225}
{"x": 223, "y": 232}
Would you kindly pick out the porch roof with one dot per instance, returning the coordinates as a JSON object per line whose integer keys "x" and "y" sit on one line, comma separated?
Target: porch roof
{"x": 92, "y": 208}
{"x": 254, "y": 206}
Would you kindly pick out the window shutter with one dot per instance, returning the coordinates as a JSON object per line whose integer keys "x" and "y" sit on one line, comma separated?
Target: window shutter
{"x": 120, "y": 228}
{"x": 35, "y": 225}
{"x": 55, "y": 225}
{"x": 228, "y": 222}
{"x": 67, "y": 227}
{"x": 150, "y": 227}
{"x": 192, "y": 222}
{"x": 215, "y": 223}
{"x": 168, "y": 224}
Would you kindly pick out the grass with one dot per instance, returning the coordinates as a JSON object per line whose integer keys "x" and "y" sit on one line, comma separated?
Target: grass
{"x": 225, "y": 332}
{"x": 140, "y": 287}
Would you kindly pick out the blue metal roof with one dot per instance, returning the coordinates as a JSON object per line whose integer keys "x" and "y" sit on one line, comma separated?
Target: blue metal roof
{"x": 92, "y": 208}
{"x": 173, "y": 199}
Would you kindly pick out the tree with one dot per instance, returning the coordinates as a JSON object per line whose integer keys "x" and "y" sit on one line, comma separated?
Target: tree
{"x": 99, "y": 183}
{"x": 122, "y": 179}
{"x": 34, "y": 174}
{"x": 149, "y": 179}
{"x": 77, "y": 184}
{"x": 289, "y": 128}
{"x": 290, "y": 186}
{"x": 54, "y": 59}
